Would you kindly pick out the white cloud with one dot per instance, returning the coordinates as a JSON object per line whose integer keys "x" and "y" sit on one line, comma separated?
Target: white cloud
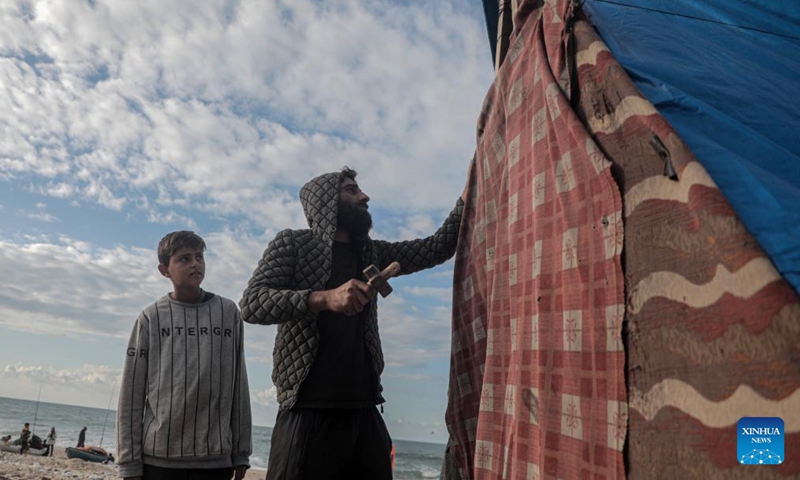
{"x": 259, "y": 360}
{"x": 413, "y": 335}
{"x": 58, "y": 190}
{"x": 86, "y": 376}
{"x": 208, "y": 103}
{"x": 37, "y": 320}
{"x": 171, "y": 217}
{"x": 417, "y": 226}
{"x": 442, "y": 273}
{"x": 40, "y": 216}
{"x": 100, "y": 291}
{"x": 89, "y": 384}
{"x": 264, "y": 398}
{"x": 441, "y": 294}
{"x": 96, "y": 287}
{"x": 104, "y": 287}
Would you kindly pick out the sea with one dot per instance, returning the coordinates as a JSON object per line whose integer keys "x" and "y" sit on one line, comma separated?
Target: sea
{"x": 413, "y": 460}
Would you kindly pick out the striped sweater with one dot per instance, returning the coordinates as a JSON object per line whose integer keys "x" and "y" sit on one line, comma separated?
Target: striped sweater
{"x": 184, "y": 400}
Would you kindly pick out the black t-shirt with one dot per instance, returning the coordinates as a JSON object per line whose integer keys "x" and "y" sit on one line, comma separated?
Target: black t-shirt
{"x": 342, "y": 375}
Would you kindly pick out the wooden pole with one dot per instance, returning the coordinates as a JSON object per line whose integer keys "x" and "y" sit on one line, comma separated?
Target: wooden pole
{"x": 504, "y": 28}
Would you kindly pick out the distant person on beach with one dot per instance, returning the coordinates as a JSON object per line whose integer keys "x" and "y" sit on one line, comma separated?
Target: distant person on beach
{"x": 82, "y": 437}
{"x": 50, "y": 441}
{"x": 184, "y": 402}
{"x": 327, "y": 359}
{"x": 25, "y": 437}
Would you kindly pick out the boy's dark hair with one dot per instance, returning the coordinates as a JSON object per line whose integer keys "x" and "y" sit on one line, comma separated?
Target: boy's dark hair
{"x": 348, "y": 172}
{"x": 174, "y": 241}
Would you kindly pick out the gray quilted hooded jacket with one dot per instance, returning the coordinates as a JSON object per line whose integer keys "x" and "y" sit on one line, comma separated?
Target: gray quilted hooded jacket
{"x": 298, "y": 262}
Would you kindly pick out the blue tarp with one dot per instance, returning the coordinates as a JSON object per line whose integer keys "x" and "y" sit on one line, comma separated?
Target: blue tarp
{"x": 726, "y": 75}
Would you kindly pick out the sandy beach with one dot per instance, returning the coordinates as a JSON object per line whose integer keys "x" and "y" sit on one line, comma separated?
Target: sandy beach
{"x": 58, "y": 467}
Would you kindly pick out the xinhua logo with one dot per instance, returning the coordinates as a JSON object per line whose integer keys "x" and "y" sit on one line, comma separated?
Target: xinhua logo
{"x": 760, "y": 441}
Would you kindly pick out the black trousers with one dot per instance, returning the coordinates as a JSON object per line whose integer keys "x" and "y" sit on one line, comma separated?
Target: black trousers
{"x": 330, "y": 444}
{"x": 160, "y": 473}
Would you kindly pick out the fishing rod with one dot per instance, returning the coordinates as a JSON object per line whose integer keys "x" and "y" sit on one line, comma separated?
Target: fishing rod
{"x": 108, "y": 408}
{"x": 36, "y": 413}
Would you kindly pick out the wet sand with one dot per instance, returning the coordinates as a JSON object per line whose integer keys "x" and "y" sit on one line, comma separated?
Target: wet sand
{"x": 14, "y": 466}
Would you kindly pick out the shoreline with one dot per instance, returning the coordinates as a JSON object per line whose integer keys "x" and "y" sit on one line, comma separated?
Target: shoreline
{"x": 14, "y": 466}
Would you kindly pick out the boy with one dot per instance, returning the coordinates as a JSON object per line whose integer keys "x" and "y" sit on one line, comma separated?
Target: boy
{"x": 184, "y": 403}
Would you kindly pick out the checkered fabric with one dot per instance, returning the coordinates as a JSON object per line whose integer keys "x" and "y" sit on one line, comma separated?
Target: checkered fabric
{"x": 537, "y": 386}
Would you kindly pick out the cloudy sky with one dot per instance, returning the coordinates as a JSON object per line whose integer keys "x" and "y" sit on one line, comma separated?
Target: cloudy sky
{"x": 123, "y": 120}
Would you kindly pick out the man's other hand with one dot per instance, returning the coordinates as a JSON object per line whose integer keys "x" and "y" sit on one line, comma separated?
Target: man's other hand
{"x": 349, "y": 298}
{"x": 239, "y": 472}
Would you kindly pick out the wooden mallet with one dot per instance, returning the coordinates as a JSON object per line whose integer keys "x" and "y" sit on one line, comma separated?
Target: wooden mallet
{"x": 378, "y": 280}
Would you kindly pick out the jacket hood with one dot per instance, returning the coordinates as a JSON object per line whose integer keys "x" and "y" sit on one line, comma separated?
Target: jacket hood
{"x": 320, "y": 200}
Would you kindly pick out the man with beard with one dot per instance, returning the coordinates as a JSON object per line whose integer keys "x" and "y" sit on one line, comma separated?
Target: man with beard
{"x": 327, "y": 359}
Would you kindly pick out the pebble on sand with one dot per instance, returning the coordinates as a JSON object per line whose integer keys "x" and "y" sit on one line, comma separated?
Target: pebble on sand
{"x": 14, "y": 466}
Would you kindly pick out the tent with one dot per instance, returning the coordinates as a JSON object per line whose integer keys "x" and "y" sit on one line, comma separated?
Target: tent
{"x": 613, "y": 315}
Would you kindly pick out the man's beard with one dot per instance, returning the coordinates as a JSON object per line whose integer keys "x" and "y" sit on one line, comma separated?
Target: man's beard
{"x": 355, "y": 220}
